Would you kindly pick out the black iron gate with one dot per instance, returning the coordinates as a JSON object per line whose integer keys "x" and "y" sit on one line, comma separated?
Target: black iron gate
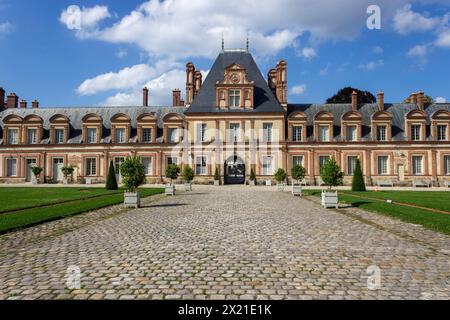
{"x": 234, "y": 171}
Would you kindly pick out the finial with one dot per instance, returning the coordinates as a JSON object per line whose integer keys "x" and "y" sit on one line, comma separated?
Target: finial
{"x": 248, "y": 43}
{"x": 223, "y": 43}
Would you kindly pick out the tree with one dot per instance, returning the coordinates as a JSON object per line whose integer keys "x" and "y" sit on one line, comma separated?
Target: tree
{"x": 67, "y": 171}
{"x": 280, "y": 176}
{"x": 331, "y": 173}
{"x": 133, "y": 173}
{"x": 111, "y": 181}
{"x": 358, "y": 183}
{"x": 37, "y": 171}
{"x": 172, "y": 172}
{"x": 345, "y": 96}
{"x": 427, "y": 100}
{"x": 298, "y": 172}
{"x": 188, "y": 174}
{"x": 252, "y": 175}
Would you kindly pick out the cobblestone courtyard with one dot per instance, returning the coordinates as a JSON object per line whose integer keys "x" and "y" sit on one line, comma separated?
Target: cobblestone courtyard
{"x": 225, "y": 243}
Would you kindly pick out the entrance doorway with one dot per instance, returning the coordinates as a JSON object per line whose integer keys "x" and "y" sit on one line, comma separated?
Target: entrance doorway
{"x": 234, "y": 171}
{"x": 29, "y": 173}
{"x": 117, "y": 162}
{"x": 58, "y": 164}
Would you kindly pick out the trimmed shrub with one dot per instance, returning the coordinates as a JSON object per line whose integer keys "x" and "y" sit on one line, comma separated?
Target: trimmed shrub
{"x": 188, "y": 174}
{"x": 280, "y": 176}
{"x": 358, "y": 183}
{"x": 298, "y": 172}
{"x": 133, "y": 173}
{"x": 111, "y": 181}
{"x": 67, "y": 171}
{"x": 172, "y": 172}
{"x": 37, "y": 171}
{"x": 331, "y": 173}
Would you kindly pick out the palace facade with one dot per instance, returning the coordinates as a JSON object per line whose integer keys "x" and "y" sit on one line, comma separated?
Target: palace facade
{"x": 234, "y": 121}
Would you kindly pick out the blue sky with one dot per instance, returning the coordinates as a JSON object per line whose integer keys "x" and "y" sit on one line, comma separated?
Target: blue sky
{"x": 120, "y": 46}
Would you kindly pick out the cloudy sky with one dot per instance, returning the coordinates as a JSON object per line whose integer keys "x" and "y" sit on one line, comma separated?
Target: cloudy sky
{"x": 106, "y": 52}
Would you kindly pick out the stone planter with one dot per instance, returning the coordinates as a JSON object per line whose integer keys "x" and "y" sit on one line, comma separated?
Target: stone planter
{"x": 170, "y": 190}
{"x": 296, "y": 190}
{"x": 217, "y": 183}
{"x": 188, "y": 186}
{"x": 132, "y": 200}
{"x": 280, "y": 187}
{"x": 330, "y": 199}
{"x": 269, "y": 183}
{"x": 34, "y": 180}
{"x": 252, "y": 183}
{"x": 65, "y": 181}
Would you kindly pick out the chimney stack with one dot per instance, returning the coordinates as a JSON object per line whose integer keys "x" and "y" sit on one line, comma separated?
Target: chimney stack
{"x": 176, "y": 98}
{"x": 421, "y": 100}
{"x": 381, "y": 101}
{"x": 198, "y": 82}
{"x": 413, "y": 98}
{"x": 281, "y": 86}
{"x": 190, "y": 71}
{"x": 2, "y": 98}
{"x": 35, "y": 104}
{"x": 355, "y": 101}
{"x": 145, "y": 97}
{"x": 272, "y": 80}
{"x": 23, "y": 104}
{"x": 12, "y": 101}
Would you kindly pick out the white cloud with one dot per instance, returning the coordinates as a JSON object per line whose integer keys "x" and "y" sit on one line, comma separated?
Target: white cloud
{"x": 378, "y": 50}
{"x": 443, "y": 39}
{"x": 324, "y": 71}
{"x": 418, "y": 51}
{"x": 299, "y": 89}
{"x": 124, "y": 79}
{"x": 76, "y": 18}
{"x": 121, "y": 53}
{"x": 371, "y": 65}
{"x": 5, "y": 27}
{"x": 440, "y": 100}
{"x": 308, "y": 53}
{"x": 407, "y": 21}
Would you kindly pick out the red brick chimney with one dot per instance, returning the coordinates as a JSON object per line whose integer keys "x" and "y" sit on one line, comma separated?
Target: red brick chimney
{"x": 272, "y": 80}
{"x": 198, "y": 82}
{"x": 12, "y": 101}
{"x": 381, "y": 101}
{"x": 145, "y": 97}
{"x": 190, "y": 71}
{"x": 2, "y": 98}
{"x": 421, "y": 100}
{"x": 354, "y": 101}
{"x": 176, "y": 98}
{"x": 413, "y": 98}
{"x": 23, "y": 104}
{"x": 35, "y": 104}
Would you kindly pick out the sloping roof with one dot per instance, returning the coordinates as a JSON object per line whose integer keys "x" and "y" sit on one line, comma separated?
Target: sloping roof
{"x": 398, "y": 111}
{"x": 205, "y": 101}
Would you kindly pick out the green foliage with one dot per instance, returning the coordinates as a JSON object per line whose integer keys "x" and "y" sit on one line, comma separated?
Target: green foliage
{"x": 345, "y": 96}
{"x": 133, "y": 174}
{"x": 252, "y": 175}
{"x": 428, "y": 100}
{"x": 358, "y": 183}
{"x": 217, "y": 175}
{"x": 111, "y": 181}
{"x": 172, "y": 172}
{"x": 280, "y": 176}
{"x": 188, "y": 174}
{"x": 331, "y": 173}
{"x": 67, "y": 171}
{"x": 298, "y": 172}
{"x": 37, "y": 171}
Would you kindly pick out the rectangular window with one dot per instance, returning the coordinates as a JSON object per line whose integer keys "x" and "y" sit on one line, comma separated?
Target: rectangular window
{"x": 173, "y": 135}
{"x": 235, "y": 98}
{"x": 417, "y": 165}
{"x": 147, "y": 135}
{"x": 447, "y": 165}
{"x": 59, "y": 136}
{"x": 201, "y": 132}
{"x": 351, "y": 164}
{"x": 11, "y": 167}
{"x": 91, "y": 167}
{"x": 442, "y": 132}
{"x": 297, "y": 161}
{"x": 234, "y": 132}
{"x": 324, "y": 133}
{"x": 322, "y": 161}
{"x": 381, "y": 133}
{"x": 119, "y": 135}
{"x": 383, "y": 165}
{"x": 91, "y": 135}
{"x": 352, "y": 133}
{"x": 267, "y": 166}
{"x": 13, "y": 136}
{"x": 172, "y": 160}
{"x": 147, "y": 162}
{"x": 117, "y": 163}
{"x": 32, "y": 136}
{"x": 200, "y": 166}
{"x": 267, "y": 132}
{"x": 415, "y": 132}
{"x": 297, "y": 134}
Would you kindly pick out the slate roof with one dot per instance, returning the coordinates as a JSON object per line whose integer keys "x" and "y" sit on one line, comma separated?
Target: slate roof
{"x": 205, "y": 101}
{"x": 398, "y": 111}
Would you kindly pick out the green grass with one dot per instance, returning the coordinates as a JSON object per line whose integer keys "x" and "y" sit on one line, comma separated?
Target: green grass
{"x": 430, "y": 220}
{"x": 80, "y": 201}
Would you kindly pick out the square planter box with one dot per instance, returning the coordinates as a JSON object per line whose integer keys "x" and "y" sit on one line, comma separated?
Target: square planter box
{"x": 170, "y": 190}
{"x": 297, "y": 190}
{"x": 65, "y": 181}
{"x": 330, "y": 199}
{"x": 132, "y": 200}
{"x": 252, "y": 183}
{"x": 269, "y": 183}
{"x": 34, "y": 180}
{"x": 217, "y": 183}
{"x": 188, "y": 187}
{"x": 280, "y": 187}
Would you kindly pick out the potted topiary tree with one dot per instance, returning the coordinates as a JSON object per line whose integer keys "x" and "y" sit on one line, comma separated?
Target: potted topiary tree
{"x": 133, "y": 176}
{"x": 217, "y": 178}
{"x": 111, "y": 180}
{"x": 298, "y": 174}
{"x": 35, "y": 177}
{"x": 188, "y": 176}
{"x": 280, "y": 178}
{"x": 68, "y": 174}
{"x": 358, "y": 183}
{"x": 252, "y": 178}
{"x": 332, "y": 177}
{"x": 172, "y": 173}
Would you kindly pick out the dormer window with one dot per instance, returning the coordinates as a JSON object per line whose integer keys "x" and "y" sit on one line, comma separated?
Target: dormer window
{"x": 32, "y": 136}
{"x": 235, "y": 91}
{"x": 352, "y": 133}
{"x": 442, "y": 132}
{"x": 235, "y": 98}
{"x": 381, "y": 133}
{"x": 91, "y": 135}
{"x": 119, "y": 135}
{"x": 415, "y": 132}
{"x": 59, "y": 136}
{"x": 324, "y": 133}
{"x": 13, "y": 136}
